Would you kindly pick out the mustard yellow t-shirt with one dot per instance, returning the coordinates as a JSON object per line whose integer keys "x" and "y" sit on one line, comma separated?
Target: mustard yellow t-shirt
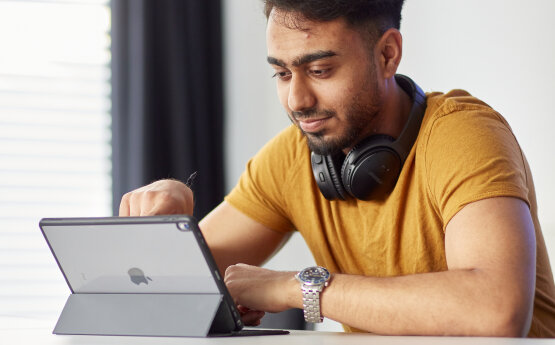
{"x": 465, "y": 152}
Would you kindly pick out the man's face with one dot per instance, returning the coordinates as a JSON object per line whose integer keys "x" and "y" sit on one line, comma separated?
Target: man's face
{"x": 326, "y": 81}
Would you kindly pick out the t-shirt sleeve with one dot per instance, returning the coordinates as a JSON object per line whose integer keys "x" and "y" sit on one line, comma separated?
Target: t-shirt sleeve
{"x": 259, "y": 194}
{"x": 472, "y": 155}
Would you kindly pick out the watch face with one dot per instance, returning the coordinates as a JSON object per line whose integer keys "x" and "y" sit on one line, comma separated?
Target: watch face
{"x": 314, "y": 275}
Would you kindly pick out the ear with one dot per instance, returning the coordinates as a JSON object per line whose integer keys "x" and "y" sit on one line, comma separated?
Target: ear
{"x": 389, "y": 51}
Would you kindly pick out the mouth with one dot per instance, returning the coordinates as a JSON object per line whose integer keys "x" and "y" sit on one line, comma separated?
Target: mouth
{"x": 311, "y": 125}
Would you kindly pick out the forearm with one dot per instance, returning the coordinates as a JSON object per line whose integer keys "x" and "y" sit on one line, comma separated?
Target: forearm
{"x": 456, "y": 302}
{"x": 488, "y": 289}
{"x": 235, "y": 238}
{"x": 461, "y": 302}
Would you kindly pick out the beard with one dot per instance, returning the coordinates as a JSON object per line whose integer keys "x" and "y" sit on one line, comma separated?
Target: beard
{"x": 359, "y": 115}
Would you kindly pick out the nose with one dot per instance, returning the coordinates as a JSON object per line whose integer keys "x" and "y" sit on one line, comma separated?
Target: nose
{"x": 300, "y": 95}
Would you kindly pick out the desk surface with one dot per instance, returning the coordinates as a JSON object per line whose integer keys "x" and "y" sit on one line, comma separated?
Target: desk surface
{"x": 15, "y": 330}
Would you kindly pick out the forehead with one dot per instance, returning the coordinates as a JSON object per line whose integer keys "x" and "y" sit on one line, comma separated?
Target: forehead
{"x": 288, "y": 37}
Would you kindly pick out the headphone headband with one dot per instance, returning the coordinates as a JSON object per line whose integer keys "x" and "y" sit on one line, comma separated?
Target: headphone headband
{"x": 408, "y": 135}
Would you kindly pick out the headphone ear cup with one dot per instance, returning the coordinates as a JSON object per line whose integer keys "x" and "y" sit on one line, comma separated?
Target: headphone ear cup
{"x": 371, "y": 168}
{"x": 326, "y": 175}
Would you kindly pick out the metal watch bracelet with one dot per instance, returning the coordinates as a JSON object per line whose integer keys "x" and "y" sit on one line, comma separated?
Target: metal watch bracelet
{"x": 311, "y": 304}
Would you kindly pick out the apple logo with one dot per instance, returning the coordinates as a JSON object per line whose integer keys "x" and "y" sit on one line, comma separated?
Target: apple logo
{"x": 138, "y": 276}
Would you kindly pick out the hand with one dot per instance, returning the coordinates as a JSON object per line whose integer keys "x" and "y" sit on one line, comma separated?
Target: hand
{"x": 250, "y": 317}
{"x": 160, "y": 197}
{"x": 259, "y": 289}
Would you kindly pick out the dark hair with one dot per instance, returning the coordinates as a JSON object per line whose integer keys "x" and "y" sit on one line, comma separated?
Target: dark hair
{"x": 375, "y": 16}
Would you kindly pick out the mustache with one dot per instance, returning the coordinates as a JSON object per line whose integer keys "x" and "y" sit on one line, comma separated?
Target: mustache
{"x": 307, "y": 114}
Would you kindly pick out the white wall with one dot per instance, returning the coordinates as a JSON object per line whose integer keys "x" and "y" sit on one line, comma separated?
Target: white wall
{"x": 502, "y": 51}
{"x": 253, "y": 112}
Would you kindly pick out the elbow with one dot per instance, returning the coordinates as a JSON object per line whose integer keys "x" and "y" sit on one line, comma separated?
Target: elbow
{"x": 511, "y": 322}
{"x": 511, "y": 330}
{"x": 506, "y": 314}
{"x": 518, "y": 326}
{"x": 507, "y": 310}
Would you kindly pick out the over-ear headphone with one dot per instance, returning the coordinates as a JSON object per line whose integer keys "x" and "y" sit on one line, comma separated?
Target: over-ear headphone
{"x": 370, "y": 170}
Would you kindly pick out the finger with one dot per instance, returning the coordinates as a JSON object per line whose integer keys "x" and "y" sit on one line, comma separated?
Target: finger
{"x": 252, "y": 318}
{"x": 189, "y": 201}
{"x": 159, "y": 210}
{"x": 124, "y": 206}
{"x": 254, "y": 323}
{"x": 242, "y": 309}
{"x": 155, "y": 203}
{"x": 137, "y": 204}
{"x": 162, "y": 205}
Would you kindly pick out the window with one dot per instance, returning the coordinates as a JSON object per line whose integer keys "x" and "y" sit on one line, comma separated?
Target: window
{"x": 54, "y": 138}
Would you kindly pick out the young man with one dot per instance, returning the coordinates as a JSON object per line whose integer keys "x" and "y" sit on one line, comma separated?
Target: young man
{"x": 451, "y": 245}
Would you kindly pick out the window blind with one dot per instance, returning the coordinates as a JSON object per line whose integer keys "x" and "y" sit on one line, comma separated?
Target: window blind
{"x": 54, "y": 139}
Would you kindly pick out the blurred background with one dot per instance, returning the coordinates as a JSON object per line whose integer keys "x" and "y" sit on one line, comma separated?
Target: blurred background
{"x": 99, "y": 97}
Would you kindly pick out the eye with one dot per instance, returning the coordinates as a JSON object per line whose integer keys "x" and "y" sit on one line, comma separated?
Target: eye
{"x": 319, "y": 72}
{"x": 282, "y": 75}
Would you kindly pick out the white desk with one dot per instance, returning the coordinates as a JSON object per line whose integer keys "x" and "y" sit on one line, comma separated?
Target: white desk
{"x": 15, "y": 331}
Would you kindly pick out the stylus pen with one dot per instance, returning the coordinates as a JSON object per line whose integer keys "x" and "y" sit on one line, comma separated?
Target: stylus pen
{"x": 191, "y": 179}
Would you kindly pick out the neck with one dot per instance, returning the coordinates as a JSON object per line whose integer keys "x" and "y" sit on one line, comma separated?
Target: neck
{"x": 395, "y": 109}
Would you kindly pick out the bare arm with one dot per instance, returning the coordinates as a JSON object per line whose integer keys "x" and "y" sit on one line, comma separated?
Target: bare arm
{"x": 231, "y": 236}
{"x": 235, "y": 238}
{"x": 487, "y": 290}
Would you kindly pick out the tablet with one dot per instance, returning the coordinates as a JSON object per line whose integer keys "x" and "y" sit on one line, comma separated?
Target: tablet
{"x": 158, "y": 255}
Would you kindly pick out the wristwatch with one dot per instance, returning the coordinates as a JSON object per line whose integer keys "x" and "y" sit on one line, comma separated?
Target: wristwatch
{"x": 313, "y": 281}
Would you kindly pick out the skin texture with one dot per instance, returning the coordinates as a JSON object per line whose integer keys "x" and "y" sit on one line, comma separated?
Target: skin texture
{"x": 327, "y": 82}
{"x": 490, "y": 245}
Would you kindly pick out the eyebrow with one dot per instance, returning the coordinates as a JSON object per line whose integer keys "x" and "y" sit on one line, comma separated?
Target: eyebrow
{"x": 304, "y": 59}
